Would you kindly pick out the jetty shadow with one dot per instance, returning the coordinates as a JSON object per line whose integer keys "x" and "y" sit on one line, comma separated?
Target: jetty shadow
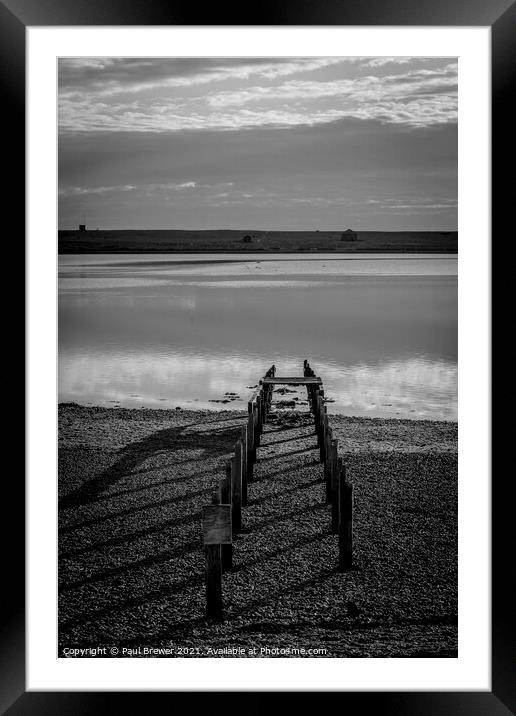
{"x": 133, "y": 455}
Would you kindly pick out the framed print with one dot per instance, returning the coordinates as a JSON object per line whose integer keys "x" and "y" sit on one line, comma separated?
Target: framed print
{"x": 140, "y": 120}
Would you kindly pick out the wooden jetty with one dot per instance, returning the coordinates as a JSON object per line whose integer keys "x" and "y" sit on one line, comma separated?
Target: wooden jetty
{"x": 224, "y": 517}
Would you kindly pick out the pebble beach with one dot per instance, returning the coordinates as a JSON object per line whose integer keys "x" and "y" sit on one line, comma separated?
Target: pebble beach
{"x": 132, "y": 483}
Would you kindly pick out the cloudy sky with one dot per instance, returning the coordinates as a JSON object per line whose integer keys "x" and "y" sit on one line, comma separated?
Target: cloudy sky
{"x": 258, "y": 143}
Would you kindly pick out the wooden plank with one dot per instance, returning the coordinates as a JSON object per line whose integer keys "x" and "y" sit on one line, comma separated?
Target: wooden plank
{"x": 216, "y": 524}
{"x": 292, "y": 381}
{"x": 214, "y": 608}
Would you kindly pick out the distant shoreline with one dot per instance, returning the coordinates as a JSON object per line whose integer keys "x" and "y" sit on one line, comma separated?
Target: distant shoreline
{"x": 252, "y": 242}
{"x": 179, "y": 414}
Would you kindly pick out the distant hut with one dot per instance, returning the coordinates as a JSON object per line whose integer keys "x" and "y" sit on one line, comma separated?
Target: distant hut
{"x": 82, "y": 227}
{"x": 349, "y": 235}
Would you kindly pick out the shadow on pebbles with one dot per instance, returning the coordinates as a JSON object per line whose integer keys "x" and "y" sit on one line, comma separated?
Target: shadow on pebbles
{"x": 132, "y": 484}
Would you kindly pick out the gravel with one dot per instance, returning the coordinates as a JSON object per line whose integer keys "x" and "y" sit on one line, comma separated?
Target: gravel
{"x": 132, "y": 484}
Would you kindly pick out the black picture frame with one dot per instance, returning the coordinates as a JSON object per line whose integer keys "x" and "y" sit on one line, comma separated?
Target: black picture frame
{"x": 500, "y": 15}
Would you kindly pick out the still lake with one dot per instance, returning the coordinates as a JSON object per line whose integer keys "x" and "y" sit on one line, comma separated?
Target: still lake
{"x": 182, "y": 330}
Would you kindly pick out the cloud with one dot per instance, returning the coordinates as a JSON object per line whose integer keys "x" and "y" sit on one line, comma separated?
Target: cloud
{"x": 369, "y": 88}
{"x": 382, "y": 61}
{"x": 109, "y": 76}
{"x": 81, "y": 191}
{"x": 422, "y": 112}
{"x": 420, "y": 97}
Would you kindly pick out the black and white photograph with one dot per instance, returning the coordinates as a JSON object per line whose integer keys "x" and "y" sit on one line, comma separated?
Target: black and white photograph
{"x": 257, "y": 357}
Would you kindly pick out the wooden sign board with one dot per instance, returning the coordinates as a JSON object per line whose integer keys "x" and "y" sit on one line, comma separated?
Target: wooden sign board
{"x": 216, "y": 524}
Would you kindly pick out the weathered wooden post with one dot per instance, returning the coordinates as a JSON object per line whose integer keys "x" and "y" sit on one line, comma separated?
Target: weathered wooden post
{"x": 324, "y": 426}
{"x": 320, "y": 439}
{"x": 318, "y": 417}
{"x": 216, "y": 524}
{"x": 260, "y": 407}
{"x": 225, "y": 499}
{"x": 309, "y": 388}
{"x": 236, "y": 488}
{"x": 251, "y": 452}
{"x": 334, "y": 486}
{"x": 257, "y": 423}
{"x": 243, "y": 442}
{"x": 327, "y": 461}
{"x": 345, "y": 520}
{"x": 316, "y": 411}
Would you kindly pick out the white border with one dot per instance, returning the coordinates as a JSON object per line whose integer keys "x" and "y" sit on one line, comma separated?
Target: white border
{"x": 471, "y": 671}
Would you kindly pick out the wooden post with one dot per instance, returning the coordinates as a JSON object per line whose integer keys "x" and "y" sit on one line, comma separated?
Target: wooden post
{"x": 216, "y": 524}
{"x": 225, "y": 499}
{"x": 213, "y": 582}
{"x": 262, "y": 407}
{"x": 250, "y": 441}
{"x": 318, "y": 426}
{"x": 324, "y": 424}
{"x": 345, "y": 521}
{"x": 334, "y": 486}
{"x": 257, "y": 423}
{"x": 243, "y": 442}
{"x": 236, "y": 488}
{"x": 327, "y": 462}
{"x": 316, "y": 412}
{"x": 320, "y": 440}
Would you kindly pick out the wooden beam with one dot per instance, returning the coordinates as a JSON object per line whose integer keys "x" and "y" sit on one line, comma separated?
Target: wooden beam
{"x": 292, "y": 381}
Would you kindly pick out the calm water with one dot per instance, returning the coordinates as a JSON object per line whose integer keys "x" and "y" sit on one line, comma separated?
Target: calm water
{"x": 172, "y": 330}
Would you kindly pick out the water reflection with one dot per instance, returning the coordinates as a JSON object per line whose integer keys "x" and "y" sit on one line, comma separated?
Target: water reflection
{"x": 386, "y": 344}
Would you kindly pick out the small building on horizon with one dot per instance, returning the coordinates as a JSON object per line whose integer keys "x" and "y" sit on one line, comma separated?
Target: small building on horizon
{"x": 349, "y": 235}
{"x": 82, "y": 227}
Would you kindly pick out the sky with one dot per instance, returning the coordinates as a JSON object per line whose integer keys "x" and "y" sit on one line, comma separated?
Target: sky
{"x": 327, "y": 143}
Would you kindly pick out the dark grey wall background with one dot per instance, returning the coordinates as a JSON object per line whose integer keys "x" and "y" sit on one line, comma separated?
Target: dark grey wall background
{"x": 15, "y": 15}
